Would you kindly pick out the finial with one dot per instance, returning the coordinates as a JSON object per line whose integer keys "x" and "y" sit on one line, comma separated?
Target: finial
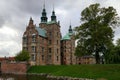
{"x": 44, "y": 4}
{"x": 53, "y": 6}
{"x": 70, "y": 23}
{"x": 70, "y": 28}
{"x": 30, "y": 18}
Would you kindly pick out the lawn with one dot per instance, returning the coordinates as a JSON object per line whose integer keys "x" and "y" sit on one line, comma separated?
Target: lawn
{"x": 106, "y": 71}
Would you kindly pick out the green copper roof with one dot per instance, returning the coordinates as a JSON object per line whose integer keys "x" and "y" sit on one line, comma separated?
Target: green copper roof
{"x": 41, "y": 32}
{"x": 67, "y": 36}
{"x": 51, "y": 22}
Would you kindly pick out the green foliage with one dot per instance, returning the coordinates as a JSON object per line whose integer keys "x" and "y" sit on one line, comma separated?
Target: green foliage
{"x": 95, "y": 34}
{"x": 81, "y": 71}
{"x": 118, "y": 42}
{"x": 113, "y": 55}
{"x": 22, "y": 56}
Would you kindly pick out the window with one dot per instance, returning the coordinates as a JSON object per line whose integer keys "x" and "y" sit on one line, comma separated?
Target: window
{"x": 33, "y": 57}
{"x": 42, "y": 57}
{"x": 50, "y": 34}
{"x": 50, "y": 50}
{"x": 57, "y": 58}
{"x": 42, "y": 49}
{"x": 24, "y": 39}
{"x": 33, "y": 38}
{"x": 50, "y": 42}
{"x": 33, "y": 49}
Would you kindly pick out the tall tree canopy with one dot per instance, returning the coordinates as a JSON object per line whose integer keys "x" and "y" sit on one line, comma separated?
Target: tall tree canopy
{"x": 95, "y": 33}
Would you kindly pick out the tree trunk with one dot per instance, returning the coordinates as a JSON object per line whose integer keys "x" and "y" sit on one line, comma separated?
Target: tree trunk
{"x": 97, "y": 57}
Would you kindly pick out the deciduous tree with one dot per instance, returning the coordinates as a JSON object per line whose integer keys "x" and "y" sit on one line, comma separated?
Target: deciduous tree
{"x": 95, "y": 34}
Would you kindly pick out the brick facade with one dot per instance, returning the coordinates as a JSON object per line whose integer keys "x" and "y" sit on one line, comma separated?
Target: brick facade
{"x": 86, "y": 60}
{"x": 17, "y": 68}
{"x": 68, "y": 49}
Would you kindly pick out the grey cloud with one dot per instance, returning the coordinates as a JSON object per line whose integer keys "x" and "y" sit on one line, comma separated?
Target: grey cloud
{"x": 3, "y": 53}
{"x": 2, "y": 21}
{"x": 34, "y": 6}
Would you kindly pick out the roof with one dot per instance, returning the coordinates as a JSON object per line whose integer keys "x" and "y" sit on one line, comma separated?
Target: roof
{"x": 67, "y": 36}
{"x": 41, "y": 31}
{"x": 51, "y": 22}
{"x": 7, "y": 58}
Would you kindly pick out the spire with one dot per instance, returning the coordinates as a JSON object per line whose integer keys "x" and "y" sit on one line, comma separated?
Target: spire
{"x": 44, "y": 17}
{"x": 70, "y": 28}
{"x": 44, "y": 5}
{"x": 53, "y": 17}
{"x": 30, "y": 21}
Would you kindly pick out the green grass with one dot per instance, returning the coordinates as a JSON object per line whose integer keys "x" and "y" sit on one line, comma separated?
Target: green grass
{"x": 106, "y": 71}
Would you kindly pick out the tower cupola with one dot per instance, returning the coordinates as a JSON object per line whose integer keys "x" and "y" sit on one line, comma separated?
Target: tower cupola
{"x": 70, "y": 29}
{"x": 53, "y": 17}
{"x": 44, "y": 15}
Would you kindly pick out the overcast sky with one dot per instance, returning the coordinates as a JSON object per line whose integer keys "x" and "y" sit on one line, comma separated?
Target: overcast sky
{"x": 15, "y": 14}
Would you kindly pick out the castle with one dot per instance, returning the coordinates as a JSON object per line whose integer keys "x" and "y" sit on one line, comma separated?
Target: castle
{"x": 45, "y": 43}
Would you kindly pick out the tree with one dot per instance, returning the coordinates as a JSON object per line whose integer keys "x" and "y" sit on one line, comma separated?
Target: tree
{"x": 22, "y": 56}
{"x": 95, "y": 33}
{"x": 118, "y": 42}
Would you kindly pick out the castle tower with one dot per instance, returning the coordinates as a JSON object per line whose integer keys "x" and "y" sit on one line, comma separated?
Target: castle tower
{"x": 53, "y": 40}
{"x": 68, "y": 48}
{"x": 54, "y": 36}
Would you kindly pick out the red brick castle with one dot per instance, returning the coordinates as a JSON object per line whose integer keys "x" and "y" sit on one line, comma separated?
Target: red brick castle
{"x": 45, "y": 43}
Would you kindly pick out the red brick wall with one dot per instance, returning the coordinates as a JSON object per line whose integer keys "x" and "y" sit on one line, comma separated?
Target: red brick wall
{"x": 17, "y": 68}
